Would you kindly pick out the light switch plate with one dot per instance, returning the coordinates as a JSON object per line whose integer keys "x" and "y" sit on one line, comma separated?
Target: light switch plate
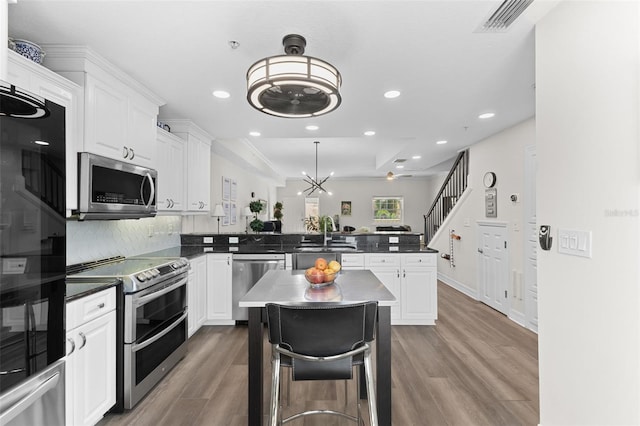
{"x": 394, "y": 240}
{"x": 574, "y": 242}
{"x": 233, "y": 240}
{"x": 207, "y": 240}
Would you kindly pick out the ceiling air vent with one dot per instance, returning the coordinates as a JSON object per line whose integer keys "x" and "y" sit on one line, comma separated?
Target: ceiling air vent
{"x": 399, "y": 160}
{"x": 504, "y": 16}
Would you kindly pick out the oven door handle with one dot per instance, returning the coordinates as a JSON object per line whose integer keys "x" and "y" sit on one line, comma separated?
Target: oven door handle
{"x": 139, "y": 346}
{"x": 144, "y": 299}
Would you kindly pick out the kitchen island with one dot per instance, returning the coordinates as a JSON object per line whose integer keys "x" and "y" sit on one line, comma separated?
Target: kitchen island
{"x": 288, "y": 287}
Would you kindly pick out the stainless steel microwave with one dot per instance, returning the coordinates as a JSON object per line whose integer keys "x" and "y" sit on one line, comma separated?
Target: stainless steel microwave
{"x": 112, "y": 189}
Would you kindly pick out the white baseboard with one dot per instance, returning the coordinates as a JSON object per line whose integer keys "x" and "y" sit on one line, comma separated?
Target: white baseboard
{"x": 472, "y": 293}
{"x": 518, "y": 317}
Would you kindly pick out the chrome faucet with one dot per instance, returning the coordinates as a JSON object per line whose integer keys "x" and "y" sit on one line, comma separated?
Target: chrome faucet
{"x": 333, "y": 228}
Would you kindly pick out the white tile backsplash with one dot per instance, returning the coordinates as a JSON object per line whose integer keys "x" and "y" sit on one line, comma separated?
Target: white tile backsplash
{"x": 99, "y": 239}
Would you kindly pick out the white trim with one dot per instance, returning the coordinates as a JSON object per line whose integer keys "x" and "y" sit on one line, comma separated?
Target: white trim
{"x": 457, "y": 285}
{"x": 517, "y": 317}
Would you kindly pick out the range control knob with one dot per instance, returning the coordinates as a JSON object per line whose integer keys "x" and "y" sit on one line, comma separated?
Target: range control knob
{"x": 141, "y": 277}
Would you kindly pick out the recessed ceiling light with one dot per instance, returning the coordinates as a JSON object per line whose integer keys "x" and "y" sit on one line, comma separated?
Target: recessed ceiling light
{"x": 369, "y": 133}
{"x": 221, "y": 94}
{"x": 43, "y": 143}
{"x": 399, "y": 167}
{"x": 254, "y": 133}
{"x": 417, "y": 157}
{"x": 441, "y": 142}
{"x": 392, "y": 94}
{"x": 486, "y": 115}
{"x": 312, "y": 127}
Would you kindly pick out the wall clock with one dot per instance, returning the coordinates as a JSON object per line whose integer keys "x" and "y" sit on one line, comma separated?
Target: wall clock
{"x": 489, "y": 179}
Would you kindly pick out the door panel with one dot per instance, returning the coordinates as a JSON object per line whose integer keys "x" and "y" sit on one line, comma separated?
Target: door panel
{"x": 493, "y": 271}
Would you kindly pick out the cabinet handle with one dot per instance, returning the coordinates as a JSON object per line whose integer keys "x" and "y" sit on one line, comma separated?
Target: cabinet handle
{"x": 404, "y": 273}
{"x": 100, "y": 305}
{"x": 73, "y": 346}
{"x": 125, "y": 152}
{"x": 132, "y": 152}
{"x": 398, "y": 272}
{"x": 84, "y": 340}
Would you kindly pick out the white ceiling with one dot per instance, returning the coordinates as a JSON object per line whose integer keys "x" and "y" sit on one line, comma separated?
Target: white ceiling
{"x": 431, "y": 51}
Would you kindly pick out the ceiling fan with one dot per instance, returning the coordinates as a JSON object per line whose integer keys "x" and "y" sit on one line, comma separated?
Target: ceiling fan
{"x": 392, "y": 176}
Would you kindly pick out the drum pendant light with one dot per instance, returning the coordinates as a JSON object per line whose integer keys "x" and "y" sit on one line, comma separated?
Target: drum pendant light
{"x": 293, "y": 85}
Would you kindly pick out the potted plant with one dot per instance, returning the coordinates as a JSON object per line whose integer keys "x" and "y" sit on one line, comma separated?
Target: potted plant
{"x": 256, "y": 207}
{"x": 277, "y": 210}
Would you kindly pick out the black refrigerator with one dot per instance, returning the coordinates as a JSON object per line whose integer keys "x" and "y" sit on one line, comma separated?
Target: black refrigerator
{"x": 33, "y": 254}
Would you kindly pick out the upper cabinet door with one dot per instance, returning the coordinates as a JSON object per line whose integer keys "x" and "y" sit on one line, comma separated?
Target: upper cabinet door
{"x": 105, "y": 119}
{"x": 117, "y": 123}
{"x": 169, "y": 159}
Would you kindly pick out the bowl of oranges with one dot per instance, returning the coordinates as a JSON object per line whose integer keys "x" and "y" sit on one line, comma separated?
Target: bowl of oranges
{"x": 322, "y": 273}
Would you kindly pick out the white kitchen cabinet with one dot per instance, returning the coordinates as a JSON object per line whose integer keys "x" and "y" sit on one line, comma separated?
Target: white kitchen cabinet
{"x": 352, "y": 261}
{"x": 120, "y": 114}
{"x": 386, "y": 268}
{"x": 219, "y": 296}
{"x": 412, "y": 278}
{"x": 197, "y": 294}
{"x": 28, "y": 75}
{"x": 90, "y": 373}
{"x": 197, "y": 165}
{"x": 170, "y": 158}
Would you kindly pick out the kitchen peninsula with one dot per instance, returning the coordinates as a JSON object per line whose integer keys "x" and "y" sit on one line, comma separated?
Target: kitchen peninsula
{"x": 399, "y": 261}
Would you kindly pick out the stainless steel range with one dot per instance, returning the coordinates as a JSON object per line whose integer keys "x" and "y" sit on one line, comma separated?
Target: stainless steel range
{"x": 155, "y": 318}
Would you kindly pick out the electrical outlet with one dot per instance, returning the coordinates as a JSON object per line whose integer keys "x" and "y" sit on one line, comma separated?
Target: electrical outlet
{"x": 207, "y": 240}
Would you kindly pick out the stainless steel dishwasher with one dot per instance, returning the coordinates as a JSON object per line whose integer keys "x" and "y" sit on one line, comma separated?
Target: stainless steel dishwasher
{"x": 247, "y": 270}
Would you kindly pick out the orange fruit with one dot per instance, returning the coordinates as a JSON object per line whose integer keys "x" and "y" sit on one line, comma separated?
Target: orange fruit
{"x": 335, "y": 266}
{"x": 321, "y": 264}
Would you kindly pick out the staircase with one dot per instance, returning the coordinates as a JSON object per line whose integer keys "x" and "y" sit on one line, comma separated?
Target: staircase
{"x": 450, "y": 192}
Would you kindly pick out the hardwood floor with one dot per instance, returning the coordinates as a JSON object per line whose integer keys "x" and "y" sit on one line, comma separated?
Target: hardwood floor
{"x": 475, "y": 367}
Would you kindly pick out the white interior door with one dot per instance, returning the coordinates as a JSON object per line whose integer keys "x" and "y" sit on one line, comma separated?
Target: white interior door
{"x": 493, "y": 267}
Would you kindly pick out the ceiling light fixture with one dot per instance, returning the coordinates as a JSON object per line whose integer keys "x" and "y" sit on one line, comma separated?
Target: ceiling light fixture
{"x": 221, "y": 94}
{"x": 487, "y": 115}
{"x": 293, "y": 85}
{"x": 441, "y": 142}
{"x": 316, "y": 184}
{"x": 256, "y": 134}
{"x": 391, "y": 94}
{"x": 369, "y": 133}
{"x": 312, "y": 127}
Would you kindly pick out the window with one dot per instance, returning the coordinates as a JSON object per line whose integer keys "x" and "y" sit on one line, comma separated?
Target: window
{"x": 387, "y": 208}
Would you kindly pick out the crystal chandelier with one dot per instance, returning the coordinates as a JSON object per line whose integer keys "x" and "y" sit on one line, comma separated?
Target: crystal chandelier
{"x": 293, "y": 85}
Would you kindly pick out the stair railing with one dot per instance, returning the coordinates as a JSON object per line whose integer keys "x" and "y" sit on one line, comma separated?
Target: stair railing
{"x": 452, "y": 188}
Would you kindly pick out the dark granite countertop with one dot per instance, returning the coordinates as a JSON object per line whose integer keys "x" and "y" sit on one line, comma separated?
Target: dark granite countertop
{"x": 194, "y": 251}
{"x": 77, "y": 290}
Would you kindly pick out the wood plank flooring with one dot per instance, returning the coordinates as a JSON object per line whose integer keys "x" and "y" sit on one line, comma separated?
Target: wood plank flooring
{"x": 475, "y": 367}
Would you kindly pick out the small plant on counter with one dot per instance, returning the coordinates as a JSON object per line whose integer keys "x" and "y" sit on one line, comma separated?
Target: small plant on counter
{"x": 277, "y": 210}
